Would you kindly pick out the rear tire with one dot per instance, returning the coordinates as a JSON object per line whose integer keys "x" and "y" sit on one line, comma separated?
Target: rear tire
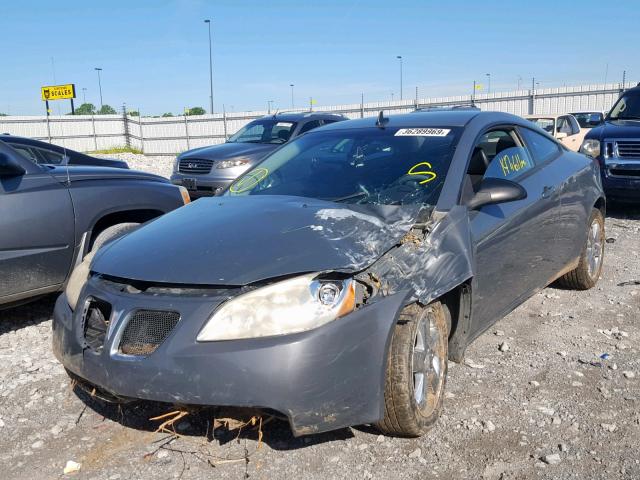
{"x": 587, "y": 273}
{"x": 111, "y": 233}
{"x": 416, "y": 371}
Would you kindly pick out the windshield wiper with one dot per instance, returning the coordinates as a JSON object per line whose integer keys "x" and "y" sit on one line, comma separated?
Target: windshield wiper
{"x": 349, "y": 197}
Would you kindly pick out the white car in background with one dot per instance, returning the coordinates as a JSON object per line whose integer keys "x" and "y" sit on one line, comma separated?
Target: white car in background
{"x": 564, "y": 127}
{"x": 588, "y": 120}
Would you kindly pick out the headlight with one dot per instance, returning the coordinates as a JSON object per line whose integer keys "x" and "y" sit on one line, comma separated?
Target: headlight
{"x": 591, "y": 148}
{"x": 231, "y": 163}
{"x": 77, "y": 280}
{"x": 295, "y": 305}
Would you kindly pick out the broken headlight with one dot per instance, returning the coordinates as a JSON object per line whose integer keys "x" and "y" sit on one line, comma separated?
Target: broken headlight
{"x": 77, "y": 280}
{"x": 290, "y": 306}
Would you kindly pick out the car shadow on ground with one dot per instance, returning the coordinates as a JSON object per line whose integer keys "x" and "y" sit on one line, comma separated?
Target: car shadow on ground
{"x": 623, "y": 211}
{"x": 200, "y": 421}
{"x": 32, "y": 313}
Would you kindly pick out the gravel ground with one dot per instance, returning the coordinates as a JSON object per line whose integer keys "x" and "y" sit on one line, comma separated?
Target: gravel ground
{"x": 534, "y": 399}
{"x": 160, "y": 165}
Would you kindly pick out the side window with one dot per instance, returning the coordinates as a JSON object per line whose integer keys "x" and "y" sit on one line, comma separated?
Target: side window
{"x": 51, "y": 157}
{"x": 510, "y": 164}
{"x": 542, "y": 149}
{"x": 309, "y": 126}
{"x": 575, "y": 128}
{"x": 26, "y": 152}
{"x": 564, "y": 126}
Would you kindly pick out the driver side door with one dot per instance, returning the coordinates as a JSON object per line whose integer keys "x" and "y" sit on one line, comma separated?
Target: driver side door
{"x": 513, "y": 240}
{"x": 37, "y": 225}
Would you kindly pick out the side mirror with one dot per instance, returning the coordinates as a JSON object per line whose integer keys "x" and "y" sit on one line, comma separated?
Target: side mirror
{"x": 496, "y": 190}
{"x": 9, "y": 167}
{"x": 561, "y": 135}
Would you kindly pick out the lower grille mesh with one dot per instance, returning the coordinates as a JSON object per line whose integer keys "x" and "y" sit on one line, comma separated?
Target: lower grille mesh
{"x": 146, "y": 330}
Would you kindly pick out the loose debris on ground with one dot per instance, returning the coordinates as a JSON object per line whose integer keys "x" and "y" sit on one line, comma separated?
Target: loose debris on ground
{"x": 552, "y": 392}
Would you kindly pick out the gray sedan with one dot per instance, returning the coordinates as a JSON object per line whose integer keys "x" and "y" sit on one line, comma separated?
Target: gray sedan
{"x": 335, "y": 280}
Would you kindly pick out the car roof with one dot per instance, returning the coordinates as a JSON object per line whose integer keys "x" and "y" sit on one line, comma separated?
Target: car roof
{"x": 23, "y": 140}
{"x": 298, "y": 116}
{"x": 435, "y": 118}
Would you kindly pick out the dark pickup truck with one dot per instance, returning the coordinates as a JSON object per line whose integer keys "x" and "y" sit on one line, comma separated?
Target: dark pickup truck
{"x": 52, "y": 216}
{"x": 616, "y": 145}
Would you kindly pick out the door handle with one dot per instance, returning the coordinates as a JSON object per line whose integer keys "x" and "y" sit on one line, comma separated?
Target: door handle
{"x": 548, "y": 190}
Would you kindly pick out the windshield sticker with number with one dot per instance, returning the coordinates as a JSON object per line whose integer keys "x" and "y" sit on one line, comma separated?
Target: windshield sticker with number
{"x": 422, "y": 132}
{"x": 420, "y": 169}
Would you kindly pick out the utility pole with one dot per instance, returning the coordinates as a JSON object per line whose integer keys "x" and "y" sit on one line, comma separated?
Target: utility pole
{"x": 84, "y": 95}
{"x": 208, "y": 22}
{"x": 269, "y": 103}
{"x": 98, "y": 69}
{"x": 488, "y": 75}
{"x": 399, "y": 57}
{"x": 292, "y": 102}
{"x": 624, "y": 79}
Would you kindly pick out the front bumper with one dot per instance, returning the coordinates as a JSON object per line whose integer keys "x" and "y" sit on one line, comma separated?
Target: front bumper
{"x": 324, "y": 379}
{"x": 205, "y": 185}
{"x": 621, "y": 180}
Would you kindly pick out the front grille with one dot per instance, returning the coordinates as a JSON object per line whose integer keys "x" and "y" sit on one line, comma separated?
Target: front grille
{"x": 628, "y": 148}
{"x": 96, "y": 323}
{"x": 198, "y": 166}
{"x": 624, "y": 172}
{"x": 146, "y": 330}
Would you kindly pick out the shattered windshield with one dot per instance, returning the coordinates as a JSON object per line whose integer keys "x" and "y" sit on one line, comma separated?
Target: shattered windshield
{"x": 264, "y": 131}
{"x": 626, "y": 108}
{"x": 367, "y": 166}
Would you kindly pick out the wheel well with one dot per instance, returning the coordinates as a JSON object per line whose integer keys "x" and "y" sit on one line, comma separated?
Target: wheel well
{"x": 601, "y": 204}
{"x": 458, "y": 305}
{"x": 137, "y": 216}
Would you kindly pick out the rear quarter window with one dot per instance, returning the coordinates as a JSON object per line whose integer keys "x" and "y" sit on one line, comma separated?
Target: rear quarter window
{"x": 542, "y": 149}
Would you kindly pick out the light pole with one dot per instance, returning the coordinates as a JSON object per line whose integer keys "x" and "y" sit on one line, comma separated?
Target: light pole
{"x": 488, "y": 82}
{"x": 208, "y": 22}
{"x": 399, "y": 57}
{"x": 98, "y": 69}
{"x": 292, "y": 103}
{"x": 269, "y": 103}
{"x": 519, "y": 81}
{"x": 84, "y": 95}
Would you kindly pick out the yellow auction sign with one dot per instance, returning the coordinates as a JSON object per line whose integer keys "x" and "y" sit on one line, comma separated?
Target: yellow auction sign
{"x": 58, "y": 92}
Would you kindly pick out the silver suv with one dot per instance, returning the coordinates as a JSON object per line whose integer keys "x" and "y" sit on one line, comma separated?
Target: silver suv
{"x": 209, "y": 170}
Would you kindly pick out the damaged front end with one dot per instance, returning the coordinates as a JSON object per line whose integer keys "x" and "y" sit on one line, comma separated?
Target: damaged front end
{"x": 305, "y": 333}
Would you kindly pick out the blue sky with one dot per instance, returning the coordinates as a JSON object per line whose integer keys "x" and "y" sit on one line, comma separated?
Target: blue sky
{"x": 154, "y": 54}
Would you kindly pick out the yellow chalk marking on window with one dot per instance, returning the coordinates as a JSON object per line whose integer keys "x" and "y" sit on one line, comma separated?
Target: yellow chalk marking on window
{"x": 250, "y": 180}
{"x": 431, "y": 175}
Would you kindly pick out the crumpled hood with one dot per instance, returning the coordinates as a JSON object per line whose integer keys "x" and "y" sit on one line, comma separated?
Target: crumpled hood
{"x": 615, "y": 129}
{"x": 225, "y": 151}
{"x": 241, "y": 240}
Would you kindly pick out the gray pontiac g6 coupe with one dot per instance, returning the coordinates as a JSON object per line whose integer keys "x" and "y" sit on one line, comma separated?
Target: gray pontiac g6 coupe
{"x": 335, "y": 280}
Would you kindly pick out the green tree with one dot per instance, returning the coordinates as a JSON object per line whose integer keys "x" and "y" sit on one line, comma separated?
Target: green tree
{"x": 133, "y": 113}
{"x": 106, "y": 110}
{"x": 168, "y": 114}
{"x": 196, "y": 111}
{"x": 86, "y": 109}
{"x": 3, "y": 114}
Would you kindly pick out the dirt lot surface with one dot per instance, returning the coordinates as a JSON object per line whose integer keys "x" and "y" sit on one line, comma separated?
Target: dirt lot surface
{"x": 551, "y": 391}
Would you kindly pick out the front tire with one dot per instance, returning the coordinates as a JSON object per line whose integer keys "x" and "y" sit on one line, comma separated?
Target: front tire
{"x": 416, "y": 371}
{"x": 587, "y": 273}
{"x": 112, "y": 232}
